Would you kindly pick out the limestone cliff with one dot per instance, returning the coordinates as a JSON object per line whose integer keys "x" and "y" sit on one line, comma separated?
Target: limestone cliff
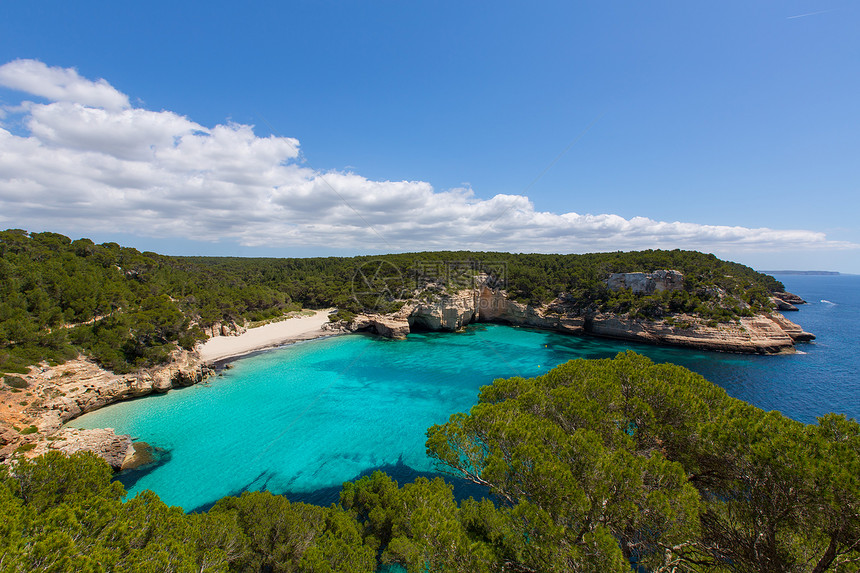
{"x": 445, "y": 312}
{"x": 57, "y": 394}
{"x": 495, "y": 306}
{"x": 389, "y": 326}
{"x": 789, "y": 297}
{"x": 780, "y": 304}
{"x": 761, "y": 334}
{"x": 766, "y": 333}
{"x": 103, "y": 442}
{"x": 793, "y": 330}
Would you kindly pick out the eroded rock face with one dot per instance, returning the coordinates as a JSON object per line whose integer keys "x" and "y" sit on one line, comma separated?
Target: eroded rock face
{"x": 495, "y": 306}
{"x": 789, "y": 297}
{"x": 103, "y": 442}
{"x": 647, "y": 283}
{"x": 383, "y": 325}
{"x": 793, "y": 330}
{"x": 779, "y": 304}
{"x": 450, "y": 313}
{"x": 80, "y": 386}
{"x": 62, "y": 393}
{"x": 761, "y": 334}
{"x": 225, "y": 329}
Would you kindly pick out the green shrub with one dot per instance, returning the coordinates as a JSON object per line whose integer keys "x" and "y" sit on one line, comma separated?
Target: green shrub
{"x": 29, "y": 430}
{"x": 15, "y": 382}
{"x": 26, "y": 448}
{"x": 341, "y": 315}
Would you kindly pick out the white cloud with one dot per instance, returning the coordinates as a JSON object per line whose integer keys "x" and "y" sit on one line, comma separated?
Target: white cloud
{"x": 89, "y": 162}
{"x": 60, "y": 84}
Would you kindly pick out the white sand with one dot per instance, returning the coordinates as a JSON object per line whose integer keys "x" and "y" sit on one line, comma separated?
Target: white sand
{"x": 266, "y": 336}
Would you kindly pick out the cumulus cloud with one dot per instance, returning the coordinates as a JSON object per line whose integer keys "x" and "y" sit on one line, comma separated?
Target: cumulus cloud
{"x": 89, "y": 161}
{"x": 60, "y": 84}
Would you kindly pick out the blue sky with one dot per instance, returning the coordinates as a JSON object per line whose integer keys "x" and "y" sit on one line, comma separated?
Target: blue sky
{"x": 730, "y": 127}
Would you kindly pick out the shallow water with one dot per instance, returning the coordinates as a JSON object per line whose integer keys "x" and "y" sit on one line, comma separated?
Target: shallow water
{"x": 303, "y": 419}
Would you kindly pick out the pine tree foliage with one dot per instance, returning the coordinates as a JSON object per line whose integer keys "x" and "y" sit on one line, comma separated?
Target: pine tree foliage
{"x": 128, "y": 309}
{"x": 597, "y": 466}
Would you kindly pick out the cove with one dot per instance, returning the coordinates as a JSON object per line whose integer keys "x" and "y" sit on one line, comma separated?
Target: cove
{"x": 303, "y": 419}
{"x": 307, "y": 417}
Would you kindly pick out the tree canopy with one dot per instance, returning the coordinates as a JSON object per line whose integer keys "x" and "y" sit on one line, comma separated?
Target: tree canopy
{"x": 599, "y": 465}
{"x": 128, "y": 309}
{"x": 665, "y": 467}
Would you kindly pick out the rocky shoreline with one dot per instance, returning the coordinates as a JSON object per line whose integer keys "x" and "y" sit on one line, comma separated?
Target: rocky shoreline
{"x": 57, "y": 394}
{"x": 764, "y": 333}
{"x": 33, "y": 417}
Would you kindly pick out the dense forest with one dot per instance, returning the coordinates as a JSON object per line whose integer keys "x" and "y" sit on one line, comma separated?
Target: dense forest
{"x": 598, "y": 466}
{"x": 128, "y": 309}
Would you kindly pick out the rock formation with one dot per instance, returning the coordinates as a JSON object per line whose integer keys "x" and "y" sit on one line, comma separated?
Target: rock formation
{"x": 389, "y": 326}
{"x": 495, "y": 306}
{"x": 61, "y": 393}
{"x": 780, "y": 304}
{"x": 445, "y": 312}
{"x": 225, "y": 329}
{"x": 103, "y": 442}
{"x": 793, "y": 330}
{"x": 761, "y": 334}
{"x": 141, "y": 454}
{"x": 81, "y": 386}
{"x": 789, "y": 297}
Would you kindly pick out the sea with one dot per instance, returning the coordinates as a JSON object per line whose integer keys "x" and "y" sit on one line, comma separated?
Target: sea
{"x": 302, "y": 419}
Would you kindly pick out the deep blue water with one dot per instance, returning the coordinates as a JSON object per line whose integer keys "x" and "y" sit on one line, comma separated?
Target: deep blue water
{"x": 303, "y": 419}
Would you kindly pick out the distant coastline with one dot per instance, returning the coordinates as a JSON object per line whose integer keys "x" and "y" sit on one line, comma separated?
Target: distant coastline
{"x": 830, "y": 273}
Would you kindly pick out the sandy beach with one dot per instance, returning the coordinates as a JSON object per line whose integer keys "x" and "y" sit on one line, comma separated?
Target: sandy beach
{"x": 266, "y": 336}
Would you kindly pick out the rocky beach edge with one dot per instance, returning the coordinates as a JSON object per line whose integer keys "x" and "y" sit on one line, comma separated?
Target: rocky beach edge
{"x": 33, "y": 418}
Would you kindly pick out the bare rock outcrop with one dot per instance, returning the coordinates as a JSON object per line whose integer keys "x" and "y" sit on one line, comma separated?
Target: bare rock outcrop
{"x": 103, "y": 442}
{"x": 495, "y": 306}
{"x": 647, "y": 283}
{"x": 446, "y": 312}
{"x": 793, "y": 330}
{"x": 140, "y": 454}
{"x": 57, "y": 394}
{"x": 82, "y": 386}
{"x": 225, "y": 329}
{"x": 761, "y": 334}
{"x": 389, "y": 326}
{"x": 789, "y": 297}
{"x": 117, "y": 450}
{"x": 780, "y": 304}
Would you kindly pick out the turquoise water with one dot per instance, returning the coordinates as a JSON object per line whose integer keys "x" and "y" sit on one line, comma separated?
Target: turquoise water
{"x": 303, "y": 419}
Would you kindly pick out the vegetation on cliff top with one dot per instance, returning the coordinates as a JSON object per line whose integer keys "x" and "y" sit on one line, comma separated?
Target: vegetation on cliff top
{"x": 128, "y": 309}
{"x": 599, "y": 465}
{"x": 124, "y": 308}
